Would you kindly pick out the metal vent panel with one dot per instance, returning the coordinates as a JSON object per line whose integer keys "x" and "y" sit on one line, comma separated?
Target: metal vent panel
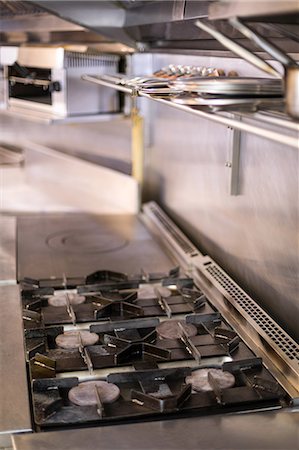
{"x": 77, "y": 59}
{"x": 172, "y": 230}
{"x": 277, "y": 335}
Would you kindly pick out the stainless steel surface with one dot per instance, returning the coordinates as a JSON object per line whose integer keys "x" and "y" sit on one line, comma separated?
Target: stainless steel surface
{"x": 291, "y": 76}
{"x": 97, "y": 228}
{"x": 233, "y": 160}
{"x": 50, "y": 181}
{"x": 261, "y": 333}
{"x": 78, "y": 244}
{"x": 145, "y": 25}
{"x": 106, "y": 18}
{"x": 21, "y": 23}
{"x": 267, "y": 431}
{"x": 169, "y": 235}
{"x": 240, "y": 105}
{"x": 252, "y": 8}
{"x": 224, "y": 120}
{"x": 278, "y": 350}
{"x": 253, "y": 236}
{"x": 48, "y": 118}
{"x": 236, "y": 124}
{"x": 14, "y": 402}
{"x": 7, "y": 249}
{"x": 292, "y": 90}
{"x": 94, "y": 142}
{"x": 104, "y": 82}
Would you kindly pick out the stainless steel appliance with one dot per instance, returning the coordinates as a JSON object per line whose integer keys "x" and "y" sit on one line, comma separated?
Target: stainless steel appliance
{"x": 48, "y": 80}
{"x": 108, "y": 286}
{"x": 126, "y": 313}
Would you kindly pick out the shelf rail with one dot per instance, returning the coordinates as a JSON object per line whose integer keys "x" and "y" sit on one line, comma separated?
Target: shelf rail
{"x": 263, "y": 116}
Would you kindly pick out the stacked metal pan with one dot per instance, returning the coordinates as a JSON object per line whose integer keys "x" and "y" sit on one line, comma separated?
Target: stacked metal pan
{"x": 228, "y": 93}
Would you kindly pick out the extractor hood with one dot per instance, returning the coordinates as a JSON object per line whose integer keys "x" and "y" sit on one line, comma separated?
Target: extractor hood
{"x": 154, "y": 25}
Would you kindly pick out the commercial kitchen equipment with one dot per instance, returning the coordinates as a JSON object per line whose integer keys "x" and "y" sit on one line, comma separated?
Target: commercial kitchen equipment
{"x": 47, "y": 80}
{"x": 148, "y": 311}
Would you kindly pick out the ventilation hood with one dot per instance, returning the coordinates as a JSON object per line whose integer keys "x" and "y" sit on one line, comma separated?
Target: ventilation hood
{"x": 149, "y": 25}
{"x": 138, "y": 24}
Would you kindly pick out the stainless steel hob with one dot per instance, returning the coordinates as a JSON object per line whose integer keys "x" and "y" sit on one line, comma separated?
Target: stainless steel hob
{"x": 149, "y": 370}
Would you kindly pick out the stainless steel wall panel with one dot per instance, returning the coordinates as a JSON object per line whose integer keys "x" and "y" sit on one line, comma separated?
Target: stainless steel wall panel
{"x": 254, "y": 235}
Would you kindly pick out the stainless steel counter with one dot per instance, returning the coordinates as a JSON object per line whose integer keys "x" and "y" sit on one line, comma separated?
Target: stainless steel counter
{"x": 267, "y": 431}
{"x": 14, "y": 402}
{"x": 7, "y": 250}
{"x": 79, "y": 244}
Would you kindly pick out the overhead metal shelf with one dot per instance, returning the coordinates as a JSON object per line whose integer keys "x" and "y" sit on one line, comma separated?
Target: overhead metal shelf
{"x": 261, "y": 119}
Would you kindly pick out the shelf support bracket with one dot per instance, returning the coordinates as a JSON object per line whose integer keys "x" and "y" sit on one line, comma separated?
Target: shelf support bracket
{"x": 137, "y": 143}
{"x": 233, "y": 158}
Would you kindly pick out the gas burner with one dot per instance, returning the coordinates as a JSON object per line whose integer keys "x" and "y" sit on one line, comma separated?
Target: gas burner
{"x": 91, "y": 393}
{"x": 133, "y": 342}
{"x": 149, "y": 394}
{"x": 75, "y": 339}
{"x": 174, "y": 329}
{"x": 203, "y": 380}
{"x": 99, "y": 280}
{"x": 114, "y": 303}
{"x": 62, "y": 299}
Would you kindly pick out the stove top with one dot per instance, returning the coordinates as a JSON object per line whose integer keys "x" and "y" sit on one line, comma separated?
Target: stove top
{"x": 150, "y": 394}
{"x": 123, "y": 347}
{"x": 79, "y": 244}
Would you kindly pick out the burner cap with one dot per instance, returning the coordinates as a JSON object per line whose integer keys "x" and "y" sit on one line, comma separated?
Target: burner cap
{"x": 70, "y": 339}
{"x": 60, "y": 299}
{"x": 85, "y": 393}
{"x": 165, "y": 292}
{"x": 170, "y": 329}
{"x": 199, "y": 379}
{"x": 146, "y": 292}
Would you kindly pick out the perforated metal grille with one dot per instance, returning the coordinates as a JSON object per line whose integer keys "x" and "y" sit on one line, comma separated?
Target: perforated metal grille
{"x": 184, "y": 243}
{"x": 77, "y": 59}
{"x": 286, "y": 344}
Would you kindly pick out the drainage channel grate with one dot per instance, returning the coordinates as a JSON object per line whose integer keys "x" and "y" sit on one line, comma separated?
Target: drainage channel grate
{"x": 289, "y": 347}
{"x": 175, "y": 233}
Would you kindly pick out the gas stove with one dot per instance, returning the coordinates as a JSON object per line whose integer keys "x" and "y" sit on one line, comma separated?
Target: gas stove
{"x": 142, "y": 336}
{"x": 148, "y": 330}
